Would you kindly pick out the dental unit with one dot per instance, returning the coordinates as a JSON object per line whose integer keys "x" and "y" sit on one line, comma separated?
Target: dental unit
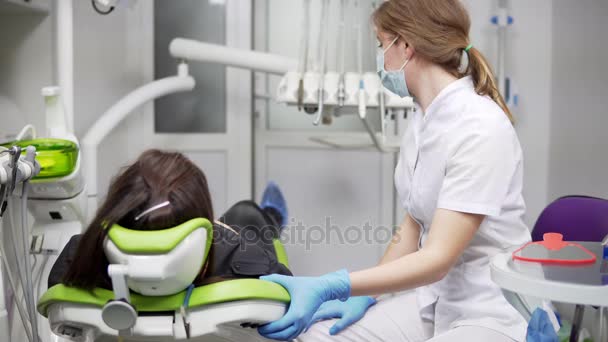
{"x": 333, "y": 94}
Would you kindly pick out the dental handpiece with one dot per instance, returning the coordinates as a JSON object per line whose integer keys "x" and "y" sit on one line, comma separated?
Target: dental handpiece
{"x": 29, "y": 167}
{"x": 341, "y": 91}
{"x": 17, "y": 168}
{"x": 14, "y": 164}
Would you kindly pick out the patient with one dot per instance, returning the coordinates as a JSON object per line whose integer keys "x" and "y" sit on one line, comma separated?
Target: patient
{"x": 242, "y": 237}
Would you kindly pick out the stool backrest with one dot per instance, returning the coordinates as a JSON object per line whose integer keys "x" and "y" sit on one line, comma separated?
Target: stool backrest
{"x": 577, "y": 218}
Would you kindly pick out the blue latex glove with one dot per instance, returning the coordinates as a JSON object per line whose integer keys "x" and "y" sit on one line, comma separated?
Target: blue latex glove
{"x": 540, "y": 328}
{"x": 349, "y": 312}
{"x": 307, "y": 295}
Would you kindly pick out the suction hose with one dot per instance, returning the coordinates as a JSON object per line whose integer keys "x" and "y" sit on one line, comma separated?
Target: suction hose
{"x": 29, "y": 286}
{"x": 11, "y": 282}
{"x": 18, "y": 284}
{"x": 23, "y": 270}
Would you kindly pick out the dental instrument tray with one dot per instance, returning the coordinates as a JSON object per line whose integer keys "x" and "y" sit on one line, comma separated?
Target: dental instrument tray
{"x": 57, "y": 157}
{"x": 554, "y": 250}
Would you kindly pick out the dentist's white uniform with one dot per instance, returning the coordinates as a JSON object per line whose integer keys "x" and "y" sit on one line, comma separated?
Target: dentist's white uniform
{"x": 463, "y": 155}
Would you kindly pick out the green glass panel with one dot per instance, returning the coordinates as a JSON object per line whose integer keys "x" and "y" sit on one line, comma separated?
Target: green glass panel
{"x": 57, "y": 157}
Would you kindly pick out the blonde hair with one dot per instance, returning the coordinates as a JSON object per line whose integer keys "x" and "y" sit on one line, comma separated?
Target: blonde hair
{"x": 439, "y": 32}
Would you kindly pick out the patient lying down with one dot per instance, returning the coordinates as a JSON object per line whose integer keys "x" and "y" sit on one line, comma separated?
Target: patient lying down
{"x": 162, "y": 190}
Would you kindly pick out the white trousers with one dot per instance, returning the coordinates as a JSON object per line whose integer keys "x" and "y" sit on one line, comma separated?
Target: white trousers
{"x": 396, "y": 319}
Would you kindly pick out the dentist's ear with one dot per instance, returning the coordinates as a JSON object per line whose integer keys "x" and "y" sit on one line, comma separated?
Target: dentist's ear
{"x": 405, "y": 48}
{"x": 409, "y": 51}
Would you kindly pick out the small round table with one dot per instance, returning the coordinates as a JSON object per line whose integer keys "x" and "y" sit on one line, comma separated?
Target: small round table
{"x": 581, "y": 285}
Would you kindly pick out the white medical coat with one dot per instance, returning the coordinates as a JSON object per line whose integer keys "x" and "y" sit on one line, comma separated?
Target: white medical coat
{"x": 463, "y": 154}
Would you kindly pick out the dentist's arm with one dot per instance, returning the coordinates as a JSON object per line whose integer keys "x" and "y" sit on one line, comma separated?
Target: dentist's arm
{"x": 450, "y": 234}
{"x": 404, "y": 241}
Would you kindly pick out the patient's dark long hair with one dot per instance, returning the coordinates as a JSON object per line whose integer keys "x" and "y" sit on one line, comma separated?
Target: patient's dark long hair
{"x": 156, "y": 177}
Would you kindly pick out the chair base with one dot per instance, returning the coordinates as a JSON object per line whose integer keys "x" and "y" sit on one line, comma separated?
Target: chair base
{"x": 230, "y": 321}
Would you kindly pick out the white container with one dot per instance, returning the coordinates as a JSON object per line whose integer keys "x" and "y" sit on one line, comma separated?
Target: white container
{"x": 330, "y": 88}
{"x": 351, "y": 88}
{"x": 373, "y": 88}
{"x": 56, "y": 126}
{"x": 287, "y": 91}
{"x": 311, "y": 88}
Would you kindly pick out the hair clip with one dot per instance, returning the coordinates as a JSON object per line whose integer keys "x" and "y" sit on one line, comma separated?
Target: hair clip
{"x": 149, "y": 210}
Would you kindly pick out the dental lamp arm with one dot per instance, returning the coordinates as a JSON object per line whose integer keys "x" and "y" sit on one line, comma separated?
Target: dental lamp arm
{"x": 192, "y": 50}
{"x": 115, "y": 115}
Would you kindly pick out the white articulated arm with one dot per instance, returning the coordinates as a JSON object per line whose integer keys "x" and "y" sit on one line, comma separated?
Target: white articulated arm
{"x": 65, "y": 57}
{"x": 115, "y": 115}
{"x": 193, "y": 50}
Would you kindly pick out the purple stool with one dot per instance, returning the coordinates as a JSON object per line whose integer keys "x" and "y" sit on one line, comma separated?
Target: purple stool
{"x": 578, "y": 218}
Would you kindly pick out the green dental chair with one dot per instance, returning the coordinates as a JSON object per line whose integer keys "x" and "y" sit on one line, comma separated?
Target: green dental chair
{"x": 152, "y": 299}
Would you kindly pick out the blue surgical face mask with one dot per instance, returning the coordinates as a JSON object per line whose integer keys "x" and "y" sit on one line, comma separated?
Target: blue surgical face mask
{"x": 393, "y": 80}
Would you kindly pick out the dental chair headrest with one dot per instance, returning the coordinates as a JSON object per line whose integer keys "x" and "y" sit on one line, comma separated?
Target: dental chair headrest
{"x": 161, "y": 262}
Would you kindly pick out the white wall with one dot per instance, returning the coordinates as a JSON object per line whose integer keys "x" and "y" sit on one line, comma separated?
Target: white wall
{"x": 579, "y": 89}
{"x": 26, "y": 62}
{"x": 529, "y": 65}
{"x": 579, "y": 154}
{"x": 336, "y": 201}
{"x": 105, "y": 70}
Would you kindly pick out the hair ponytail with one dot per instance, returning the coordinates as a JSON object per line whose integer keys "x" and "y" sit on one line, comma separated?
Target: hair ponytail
{"x": 483, "y": 78}
{"x": 439, "y": 32}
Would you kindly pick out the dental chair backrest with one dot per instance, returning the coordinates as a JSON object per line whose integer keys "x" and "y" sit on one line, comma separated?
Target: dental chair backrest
{"x": 577, "y": 218}
{"x": 160, "y": 262}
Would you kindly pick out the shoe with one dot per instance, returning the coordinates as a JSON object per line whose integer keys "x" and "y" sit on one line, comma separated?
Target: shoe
{"x": 273, "y": 199}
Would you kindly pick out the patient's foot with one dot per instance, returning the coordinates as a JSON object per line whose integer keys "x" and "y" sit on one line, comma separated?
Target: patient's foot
{"x": 274, "y": 202}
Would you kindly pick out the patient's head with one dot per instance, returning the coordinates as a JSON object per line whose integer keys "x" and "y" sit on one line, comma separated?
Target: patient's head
{"x": 156, "y": 177}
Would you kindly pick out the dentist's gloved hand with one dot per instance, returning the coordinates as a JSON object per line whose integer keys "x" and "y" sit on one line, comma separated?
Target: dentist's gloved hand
{"x": 540, "y": 328}
{"x": 349, "y": 312}
{"x": 307, "y": 294}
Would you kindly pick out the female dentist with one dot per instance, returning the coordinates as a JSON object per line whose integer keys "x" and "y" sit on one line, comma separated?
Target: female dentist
{"x": 459, "y": 177}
